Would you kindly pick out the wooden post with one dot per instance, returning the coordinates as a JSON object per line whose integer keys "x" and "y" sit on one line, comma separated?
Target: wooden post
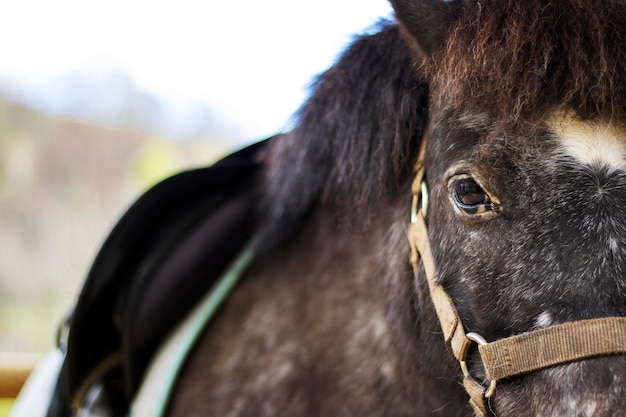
{"x": 14, "y": 370}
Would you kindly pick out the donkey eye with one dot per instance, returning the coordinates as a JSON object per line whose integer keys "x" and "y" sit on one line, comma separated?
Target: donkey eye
{"x": 469, "y": 197}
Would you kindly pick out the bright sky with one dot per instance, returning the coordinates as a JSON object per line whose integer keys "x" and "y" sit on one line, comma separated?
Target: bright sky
{"x": 250, "y": 59}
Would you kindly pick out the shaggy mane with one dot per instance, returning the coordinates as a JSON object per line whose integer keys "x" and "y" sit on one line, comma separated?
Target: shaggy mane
{"x": 517, "y": 59}
{"x": 356, "y": 137}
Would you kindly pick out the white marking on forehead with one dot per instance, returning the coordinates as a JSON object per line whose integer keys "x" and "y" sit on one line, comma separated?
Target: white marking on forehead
{"x": 593, "y": 144}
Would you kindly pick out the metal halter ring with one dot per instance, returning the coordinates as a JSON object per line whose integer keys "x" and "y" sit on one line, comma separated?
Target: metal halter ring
{"x": 420, "y": 202}
{"x": 478, "y": 339}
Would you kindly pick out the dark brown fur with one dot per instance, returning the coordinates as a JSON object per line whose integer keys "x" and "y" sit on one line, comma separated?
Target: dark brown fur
{"x": 518, "y": 59}
{"x": 336, "y": 337}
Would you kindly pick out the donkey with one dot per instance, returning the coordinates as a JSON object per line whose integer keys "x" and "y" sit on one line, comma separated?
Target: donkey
{"x": 516, "y": 114}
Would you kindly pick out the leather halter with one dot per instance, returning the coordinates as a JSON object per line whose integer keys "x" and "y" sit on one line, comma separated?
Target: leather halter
{"x": 515, "y": 355}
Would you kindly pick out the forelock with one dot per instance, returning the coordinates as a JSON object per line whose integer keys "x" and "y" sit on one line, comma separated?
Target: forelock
{"x": 519, "y": 59}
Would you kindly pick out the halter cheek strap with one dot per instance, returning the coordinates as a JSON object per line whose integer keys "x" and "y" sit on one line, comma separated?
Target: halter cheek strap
{"x": 512, "y": 356}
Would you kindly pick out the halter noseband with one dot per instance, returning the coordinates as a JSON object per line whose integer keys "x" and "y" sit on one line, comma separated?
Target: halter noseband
{"x": 511, "y": 356}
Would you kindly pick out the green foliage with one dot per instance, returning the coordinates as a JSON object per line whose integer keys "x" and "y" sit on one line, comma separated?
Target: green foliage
{"x": 5, "y": 406}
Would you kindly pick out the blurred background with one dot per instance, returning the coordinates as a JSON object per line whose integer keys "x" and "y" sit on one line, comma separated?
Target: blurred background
{"x": 101, "y": 99}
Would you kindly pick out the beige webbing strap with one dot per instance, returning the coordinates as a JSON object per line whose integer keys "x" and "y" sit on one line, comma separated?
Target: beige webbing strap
{"x": 554, "y": 345}
{"x": 477, "y": 396}
{"x": 451, "y": 325}
{"x": 449, "y": 319}
{"x": 453, "y": 331}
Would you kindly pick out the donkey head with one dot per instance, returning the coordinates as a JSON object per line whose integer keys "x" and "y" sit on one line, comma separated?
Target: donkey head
{"x": 526, "y": 166}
